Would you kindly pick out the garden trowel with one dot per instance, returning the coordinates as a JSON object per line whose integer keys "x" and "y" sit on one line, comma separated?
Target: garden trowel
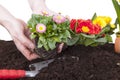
{"x": 34, "y": 70}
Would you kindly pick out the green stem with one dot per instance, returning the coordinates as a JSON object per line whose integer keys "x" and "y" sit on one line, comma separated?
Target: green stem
{"x": 117, "y": 9}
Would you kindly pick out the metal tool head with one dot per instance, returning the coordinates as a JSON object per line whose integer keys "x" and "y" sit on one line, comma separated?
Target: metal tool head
{"x": 31, "y": 73}
{"x": 36, "y": 67}
{"x": 39, "y": 65}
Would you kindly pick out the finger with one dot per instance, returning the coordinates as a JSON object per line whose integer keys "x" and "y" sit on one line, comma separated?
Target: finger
{"x": 27, "y": 34}
{"x": 60, "y": 47}
{"x": 26, "y": 41}
{"x": 26, "y": 52}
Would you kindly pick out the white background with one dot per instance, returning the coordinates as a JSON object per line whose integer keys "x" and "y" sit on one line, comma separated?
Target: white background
{"x": 74, "y": 8}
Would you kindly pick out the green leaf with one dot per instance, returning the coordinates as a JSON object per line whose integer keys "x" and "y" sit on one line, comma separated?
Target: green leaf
{"x": 116, "y": 21}
{"x": 67, "y": 34}
{"x": 46, "y": 47}
{"x": 32, "y": 36}
{"x": 71, "y": 41}
{"x": 31, "y": 23}
{"x": 43, "y": 21}
{"x": 54, "y": 26}
{"x": 61, "y": 36}
{"x": 65, "y": 40}
{"x": 42, "y": 38}
{"x": 94, "y": 16}
{"x": 36, "y": 16}
{"x": 57, "y": 39}
{"x": 102, "y": 40}
{"x": 39, "y": 44}
{"x": 44, "y": 42}
{"x": 88, "y": 36}
{"x": 104, "y": 30}
{"x": 117, "y": 9}
{"x": 51, "y": 44}
{"x": 108, "y": 37}
{"x": 88, "y": 42}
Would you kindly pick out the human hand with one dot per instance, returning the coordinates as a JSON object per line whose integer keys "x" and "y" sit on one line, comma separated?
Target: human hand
{"x": 39, "y": 6}
{"x": 17, "y": 29}
{"x": 46, "y": 11}
{"x": 20, "y": 36}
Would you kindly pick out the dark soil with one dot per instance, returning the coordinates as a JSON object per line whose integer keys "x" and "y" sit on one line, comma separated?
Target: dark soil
{"x": 79, "y": 63}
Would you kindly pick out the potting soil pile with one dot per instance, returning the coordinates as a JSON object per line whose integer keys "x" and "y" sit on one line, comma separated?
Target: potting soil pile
{"x": 77, "y": 63}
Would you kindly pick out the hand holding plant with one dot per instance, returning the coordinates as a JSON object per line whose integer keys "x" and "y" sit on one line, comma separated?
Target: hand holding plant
{"x": 48, "y": 31}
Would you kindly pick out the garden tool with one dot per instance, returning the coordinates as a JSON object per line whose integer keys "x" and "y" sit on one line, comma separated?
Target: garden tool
{"x": 34, "y": 70}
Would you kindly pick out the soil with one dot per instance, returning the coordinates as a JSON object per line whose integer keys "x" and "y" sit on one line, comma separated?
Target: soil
{"x": 78, "y": 63}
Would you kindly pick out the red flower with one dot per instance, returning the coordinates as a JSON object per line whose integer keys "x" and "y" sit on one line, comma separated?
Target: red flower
{"x": 83, "y": 26}
{"x": 86, "y": 26}
{"x": 97, "y": 29}
{"x": 72, "y": 24}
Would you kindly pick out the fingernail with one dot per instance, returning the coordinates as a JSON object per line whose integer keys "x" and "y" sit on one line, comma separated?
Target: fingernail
{"x": 31, "y": 47}
{"x": 37, "y": 56}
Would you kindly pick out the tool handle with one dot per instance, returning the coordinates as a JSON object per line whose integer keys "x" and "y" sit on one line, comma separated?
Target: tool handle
{"x": 11, "y": 74}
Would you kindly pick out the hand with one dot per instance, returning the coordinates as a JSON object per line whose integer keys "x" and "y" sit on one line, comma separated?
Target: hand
{"x": 60, "y": 47}
{"x": 17, "y": 29}
{"x": 45, "y": 12}
{"x": 38, "y": 6}
{"x": 19, "y": 34}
